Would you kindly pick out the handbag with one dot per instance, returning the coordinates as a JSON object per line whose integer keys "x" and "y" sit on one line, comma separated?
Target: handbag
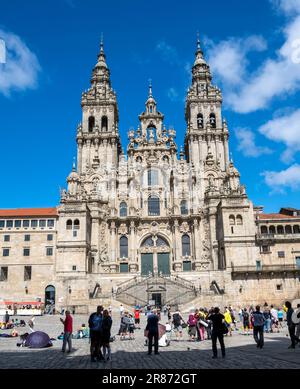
{"x": 225, "y": 329}
{"x": 184, "y": 325}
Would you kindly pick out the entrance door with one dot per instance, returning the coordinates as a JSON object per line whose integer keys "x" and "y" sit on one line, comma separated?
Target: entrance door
{"x": 298, "y": 262}
{"x": 50, "y": 295}
{"x": 146, "y": 264}
{"x": 157, "y": 298}
{"x": 163, "y": 264}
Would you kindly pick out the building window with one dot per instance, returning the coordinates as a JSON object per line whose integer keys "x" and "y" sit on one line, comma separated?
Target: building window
{"x": 124, "y": 268}
{"x": 50, "y": 223}
{"x": 239, "y": 220}
{"x": 296, "y": 229}
{"x": 264, "y": 229}
{"x": 50, "y": 237}
{"x": 6, "y": 238}
{"x": 187, "y": 266}
{"x": 9, "y": 223}
{"x": 74, "y": 268}
{"x": 272, "y": 230}
{"x": 258, "y": 265}
{"x": 281, "y": 254}
{"x": 18, "y": 223}
{"x": 184, "y": 207}
{"x": 104, "y": 123}
{"x": 186, "y": 245}
{"x": 200, "y": 120}
{"x": 5, "y": 252}
{"x": 4, "y": 273}
{"x": 69, "y": 224}
{"x": 265, "y": 249}
{"x": 123, "y": 209}
{"x": 27, "y": 273}
{"x": 279, "y": 287}
{"x": 49, "y": 251}
{"x": 153, "y": 206}
{"x": 76, "y": 224}
{"x": 2, "y": 223}
{"x": 152, "y": 177}
{"x": 123, "y": 247}
{"x": 280, "y": 230}
{"x": 91, "y": 123}
{"x": 34, "y": 223}
{"x": 26, "y": 252}
{"x": 26, "y": 223}
{"x": 74, "y": 234}
{"x": 26, "y": 238}
{"x": 232, "y": 220}
{"x": 288, "y": 229}
{"x": 232, "y": 231}
{"x": 42, "y": 223}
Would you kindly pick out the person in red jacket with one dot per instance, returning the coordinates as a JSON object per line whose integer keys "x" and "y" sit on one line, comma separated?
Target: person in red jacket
{"x": 137, "y": 318}
{"x": 68, "y": 329}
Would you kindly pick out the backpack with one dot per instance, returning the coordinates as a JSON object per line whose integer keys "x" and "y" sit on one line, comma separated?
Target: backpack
{"x": 246, "y": 316}
{"x": 176, "y": 319}
{"x": 95, "y": 322}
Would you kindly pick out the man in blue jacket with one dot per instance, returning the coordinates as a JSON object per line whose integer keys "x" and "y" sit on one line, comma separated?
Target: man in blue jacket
{"x": 152, "y": 328}
{"x": 95, "y": 324}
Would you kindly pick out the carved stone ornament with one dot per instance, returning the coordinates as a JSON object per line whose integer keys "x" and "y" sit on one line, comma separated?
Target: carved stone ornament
{"x": 184, "y": 227}
{"x": 103, "y": 256}
{"x": 123, "y": 230}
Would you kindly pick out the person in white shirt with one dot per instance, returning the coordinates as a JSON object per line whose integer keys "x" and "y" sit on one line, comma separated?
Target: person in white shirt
{"x": 274, "y": 315}
{"x": 121, "y": 310}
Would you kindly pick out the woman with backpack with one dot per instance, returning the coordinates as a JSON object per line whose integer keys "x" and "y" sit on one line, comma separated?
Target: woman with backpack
{"x": 177, "y": 323}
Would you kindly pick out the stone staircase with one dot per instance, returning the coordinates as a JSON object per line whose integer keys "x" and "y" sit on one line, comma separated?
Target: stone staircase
{"x": 173, "y": 289}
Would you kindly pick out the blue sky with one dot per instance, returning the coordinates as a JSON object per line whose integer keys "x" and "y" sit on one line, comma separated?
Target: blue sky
{"x": 253, "y": 48}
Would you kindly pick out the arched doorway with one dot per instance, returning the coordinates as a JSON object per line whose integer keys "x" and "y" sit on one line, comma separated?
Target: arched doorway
{"x": 50, "y": 295}
{"x": 155, "y": 256}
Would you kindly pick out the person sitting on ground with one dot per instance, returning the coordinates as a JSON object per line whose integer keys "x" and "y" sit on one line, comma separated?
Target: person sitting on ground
{"x": 22, "y": 323}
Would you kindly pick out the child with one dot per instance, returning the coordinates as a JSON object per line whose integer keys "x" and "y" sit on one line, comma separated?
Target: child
{"x": 131, "y": 327}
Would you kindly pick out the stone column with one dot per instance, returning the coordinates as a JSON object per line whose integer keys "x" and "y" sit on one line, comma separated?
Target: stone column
{"x": 113, "y": 241}
{"x": 132, "y": 242}
{"x": 212, "y": 225}
{"x": 79, "y": 156}
{"x": 226, "y": 150}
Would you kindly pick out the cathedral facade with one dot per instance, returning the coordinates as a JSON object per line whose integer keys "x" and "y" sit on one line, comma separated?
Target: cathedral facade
{"x": 160, "y": 223}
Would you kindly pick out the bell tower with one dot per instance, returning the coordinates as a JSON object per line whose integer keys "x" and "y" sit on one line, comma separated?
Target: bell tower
{"x": 98, "y": 135}
{"x": 207, "y": 132}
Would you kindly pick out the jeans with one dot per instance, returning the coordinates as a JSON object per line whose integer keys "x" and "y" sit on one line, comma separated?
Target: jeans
{"x": 67, "y": 339}
{"x": 292, "y": 329}
{"x": 151, "y": 336}
{"x": 267, "y": 325}
{"x": 258, "y": 334}
{"x": 214, "y": 337}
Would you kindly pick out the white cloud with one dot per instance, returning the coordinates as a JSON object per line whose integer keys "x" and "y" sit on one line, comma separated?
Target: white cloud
{"x": 278, "y": 76}
{"x": 284, "y": 129}
{"x": 285, "y": 179}
{"x": 247, "y": 146}
{"x": 21, "y": 69}
{"x": 287, "y": 6}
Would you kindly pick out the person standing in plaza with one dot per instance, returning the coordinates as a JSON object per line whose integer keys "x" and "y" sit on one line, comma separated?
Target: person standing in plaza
{"x": 268, "y": 317}
{"x": 106, "y": 328}
{"x": 152, "y": 328}
{"x": 298, "y": 325}
{"x": 121, "y": 310}
{"x": 258, "y": 327}
{"x": 68, "y": 329}
{"x": 217, "y": 320}
{"x": 6, "y": 318}
{"x": 95, "y": 325}
{"x": 228, "y": 320}
{"x": 246, "y": 322}
{"x": 274, "y": 319}
{"x": 280, "y": 318}
{"x": 290, "y": 324}
{"x": 137, "y": 318}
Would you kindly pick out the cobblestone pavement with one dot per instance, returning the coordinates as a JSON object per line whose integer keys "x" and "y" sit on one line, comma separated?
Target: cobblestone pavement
{"x": 241, "y": 351}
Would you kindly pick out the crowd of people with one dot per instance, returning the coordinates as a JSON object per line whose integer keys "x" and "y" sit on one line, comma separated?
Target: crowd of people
{"x": 201, "y": 324}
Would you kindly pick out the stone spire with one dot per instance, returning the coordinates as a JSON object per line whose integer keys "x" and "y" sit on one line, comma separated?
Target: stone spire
{"x": 101, "y": 72}
{"x": 200, "y": 70}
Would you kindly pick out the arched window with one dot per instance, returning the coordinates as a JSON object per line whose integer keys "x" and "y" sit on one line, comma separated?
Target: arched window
{"x": 104, "y": 123}
{"x": 91, "y": 123}
{"x": 76, "y": 224}
{"x": 123, "y": 209}
{"x": 123, "y": 247}
{"x": 153, "y": 206}
{"x": 280, "y": 230}
{"x": 212, "y": 120}
{"x": 148, "y": 242}
{"x": 69, "y": 224}
{"x": 296, "y": 229}
{"x": 239, "y": 220}
{"x": 288, "y": 229}
{"x": 184, "y": 207}
{"x": 161, "y": 242}
{"x": 264, "y": 229}
{"x": 232, "y": 220}
{"x": 200, "y": 120}
{"x": 186, "y": 245}
{"x": 272, "y": 230}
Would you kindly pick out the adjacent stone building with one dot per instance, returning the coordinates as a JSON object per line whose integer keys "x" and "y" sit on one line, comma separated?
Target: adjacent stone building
{"x": 157, "y": 224}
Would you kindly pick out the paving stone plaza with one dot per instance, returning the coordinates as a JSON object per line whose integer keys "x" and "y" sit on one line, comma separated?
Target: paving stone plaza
{"x": 242, "y": 352}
